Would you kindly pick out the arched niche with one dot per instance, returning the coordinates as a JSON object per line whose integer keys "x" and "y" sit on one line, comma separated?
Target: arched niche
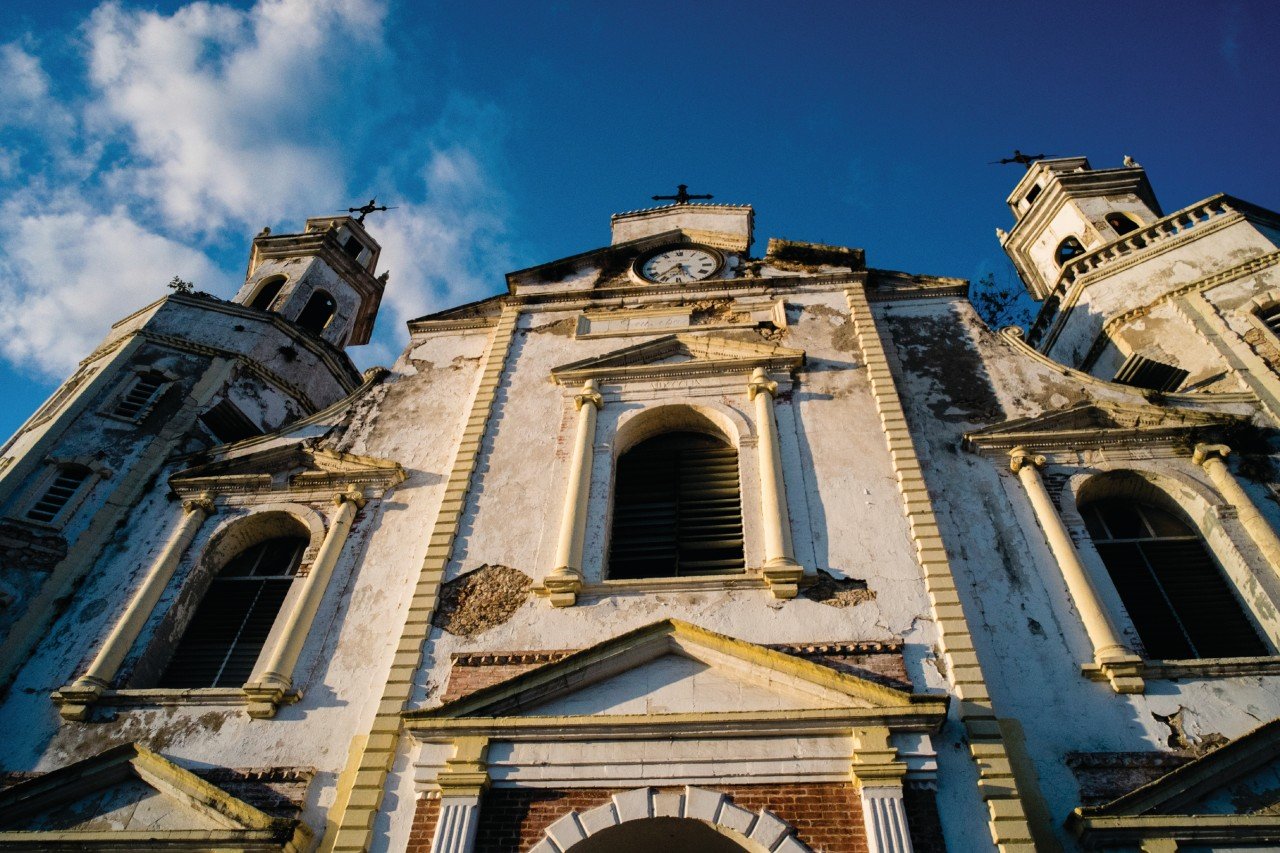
{"x": 259, "y": 523}
{"x": 718, "y": 421}
{"x": 690, "y": 816}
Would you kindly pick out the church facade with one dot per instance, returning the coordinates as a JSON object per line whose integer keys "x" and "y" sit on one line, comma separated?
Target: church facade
{"x": 678, "y": 544}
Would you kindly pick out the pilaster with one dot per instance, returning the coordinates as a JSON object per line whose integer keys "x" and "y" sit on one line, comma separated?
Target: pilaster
{"x": 1122, "y": 667}
{"x": 878, "y": 773}
{"x": 268, "y": 692}
{"x": 75, "y": 699}
{"x": 1213, "y": 458}
{"x": 565, "y": 580}
{"x": 780, "y": 569}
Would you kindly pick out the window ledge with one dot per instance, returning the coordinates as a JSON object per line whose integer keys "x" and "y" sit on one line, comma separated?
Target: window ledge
{"x": 738, "y": 580}
{"x": 1196, "y": 668}
{"x": 164, "y": 697}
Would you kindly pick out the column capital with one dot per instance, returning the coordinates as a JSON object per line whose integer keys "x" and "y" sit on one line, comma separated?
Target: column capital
{"x": 1020, "y": 457}
{"x": 466, "y": 774}
{"x": 350, "y": 494}
{"x": 875, "y": 759}
{"x": 760, "y": 381}
{"x": 590, "y": 394}
{"x": 202, "y": 502}
{"x": 1205, "y": 452}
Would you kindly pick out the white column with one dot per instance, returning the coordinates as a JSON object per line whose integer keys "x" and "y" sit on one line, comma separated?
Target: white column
{"x": 268, "y": 691}
{"x": 1122, "y": 667}
{"x": 456, "y": 828}
{"x": 885, "y": 818}
{"x": 462, "y": 782}
{"x": 565, "y": 579}
{"x": 878, "y": 773}
{"x": 1212, "y": 457}
{"x": 780, "y": 568}
{"x": 86, "y": 689}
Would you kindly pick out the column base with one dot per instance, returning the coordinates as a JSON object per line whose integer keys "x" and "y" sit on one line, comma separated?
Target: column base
{"x": 266, "y": 695}
{"x": 76, "y": 700}
{"x": 783, "y": 578}
{"x": 1122, "y": 671}
{"x": 562, "y": 587}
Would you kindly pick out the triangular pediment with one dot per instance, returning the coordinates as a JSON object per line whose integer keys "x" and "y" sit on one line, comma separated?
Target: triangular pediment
{"x": 1211, "y": 783}
{"x": 290, "y": 466}
{"x": 680, "y": 354}
{"x": 129, "y": 796}
{"x": 672, "y": 667}
{"x": 1231, "y": 794}
{"x": 1097, "y": 423}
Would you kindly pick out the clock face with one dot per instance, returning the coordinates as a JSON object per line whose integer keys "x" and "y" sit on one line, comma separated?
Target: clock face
{"x": 681, "y": 265}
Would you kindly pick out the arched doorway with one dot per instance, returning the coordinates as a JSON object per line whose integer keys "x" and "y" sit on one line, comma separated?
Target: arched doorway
{"x": 668, "y": 834}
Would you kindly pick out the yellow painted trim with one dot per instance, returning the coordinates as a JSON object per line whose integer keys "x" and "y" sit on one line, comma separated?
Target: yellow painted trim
{"x": 372, "y": 763}
{"x": 997, "y": 785}
{"x": 926, "y": 715}
{"x": 577, "y": 670}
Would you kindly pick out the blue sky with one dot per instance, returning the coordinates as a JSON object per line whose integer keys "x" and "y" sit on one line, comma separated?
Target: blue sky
{"x": 139, "y": 142}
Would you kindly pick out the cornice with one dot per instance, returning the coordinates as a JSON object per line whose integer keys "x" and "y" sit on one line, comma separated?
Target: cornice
{"x": 1208, "y": 282}
{"x": 452, "y": 325}
{"x": 921, "y": 714}
{"x": 529, "y": 657}
{"x": 1148, "y": 242}
{"x": 338, "y": 363}
{"x": 1014, "y": 337}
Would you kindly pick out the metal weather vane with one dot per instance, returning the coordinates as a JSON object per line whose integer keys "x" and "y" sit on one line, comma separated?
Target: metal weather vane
{"x": 682, "y": 195}
{"x": 1019, "y": 157}
{"x": 365, "y": 209}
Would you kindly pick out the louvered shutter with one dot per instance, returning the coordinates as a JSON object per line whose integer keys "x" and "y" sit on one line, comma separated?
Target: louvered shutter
{"x": 1179, "y": 600}
{"x": 677, "y": 509}
{"x": 59, "y": 494}
{"x": 230, "y": 627}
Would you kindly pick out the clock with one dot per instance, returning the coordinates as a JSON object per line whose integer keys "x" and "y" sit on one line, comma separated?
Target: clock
{"x": 679, "y": 264}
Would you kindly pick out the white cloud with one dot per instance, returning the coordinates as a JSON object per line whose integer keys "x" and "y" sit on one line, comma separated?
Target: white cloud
{"x": 25, "y": 98}
{"x": 221, "y": 106}
{"x": 68, "y": 275}
{"x": 447, "y": 249}
{"x": 190, "y": 131}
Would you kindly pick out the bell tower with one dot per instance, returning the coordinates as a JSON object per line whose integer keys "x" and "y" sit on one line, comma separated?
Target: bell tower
{"x": 1064, "y": 208}
{"x": 322, "y": 280}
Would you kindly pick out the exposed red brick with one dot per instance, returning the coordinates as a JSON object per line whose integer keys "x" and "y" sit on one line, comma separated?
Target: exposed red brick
{"x": 825, "y": 816}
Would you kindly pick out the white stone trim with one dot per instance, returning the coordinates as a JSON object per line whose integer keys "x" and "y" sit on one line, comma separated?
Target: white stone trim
{"x": 457, "y": 825}
{"x": 759, "y": 832}
{"x": 885, "y": 819}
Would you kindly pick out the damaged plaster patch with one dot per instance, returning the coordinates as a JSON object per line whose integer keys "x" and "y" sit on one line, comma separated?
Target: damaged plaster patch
{"x": 838, "y": 592}
{"x": 938, "y": 350}
{"x": 564, "y": 328}
{"x": 480, "y": 600}
{"x": 1181, "y": 738}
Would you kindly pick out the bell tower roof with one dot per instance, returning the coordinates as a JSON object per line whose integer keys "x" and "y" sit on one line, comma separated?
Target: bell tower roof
{"x": 323, "y": 278}
{"x": 725, "y": 226}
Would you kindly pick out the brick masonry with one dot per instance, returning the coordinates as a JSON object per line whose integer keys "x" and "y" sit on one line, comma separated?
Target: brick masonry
{"x": 825, "y": 816}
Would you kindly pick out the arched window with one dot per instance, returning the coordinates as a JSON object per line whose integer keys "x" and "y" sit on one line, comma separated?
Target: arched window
{"x": 318, "y": 312}
{"x": 1068, "y": 249}
{"x": 139, "y": 395}
{"x": 1178, "y": 598}
{"x": 676, "y": 509}
{"x": 224, "y": 638}
{"x": 65, "y": 484}
{"x": 267, "y": 293}
{"x": 1121, "y": 223}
